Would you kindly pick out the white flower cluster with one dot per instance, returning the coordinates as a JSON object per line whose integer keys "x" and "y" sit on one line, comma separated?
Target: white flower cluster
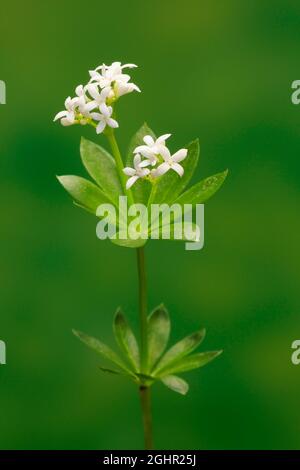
{"x": 91, "y": 105}
{"x": 157, "y": 156}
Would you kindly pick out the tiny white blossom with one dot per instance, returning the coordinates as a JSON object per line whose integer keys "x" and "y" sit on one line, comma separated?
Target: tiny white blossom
{"x": 139, "y": 170}
{"x": 104, "y": 118}
{"x": 98, "y": 97}
{"x": 153, "y": 148}
{"x": 171, "y": 162}
{"x": 68, "y": 116}
{"x": 85, "y": 106}
{"x": 113, "y": 78}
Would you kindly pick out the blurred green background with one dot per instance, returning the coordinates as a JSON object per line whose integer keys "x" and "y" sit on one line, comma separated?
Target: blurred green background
{"x": 221, "y": 71}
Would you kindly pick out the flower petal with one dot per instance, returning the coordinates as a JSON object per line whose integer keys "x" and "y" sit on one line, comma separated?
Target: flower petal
{"x": 129, "y": 171}
{"x": 163, "y": 138}
{"x": 131, "y": 181}
{"x": 179, "y": 155}
{"x": 162, "y": 169}
{"x": 112, "y": 123}
{"x": 178, "y": 168}
{"x": 60, "y": 115}
{"x": 148, "y": 139}
{"x": 101, "y": 126}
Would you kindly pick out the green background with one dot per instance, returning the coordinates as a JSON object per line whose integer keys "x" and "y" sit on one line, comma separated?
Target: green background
{"x": 221, "y": 71}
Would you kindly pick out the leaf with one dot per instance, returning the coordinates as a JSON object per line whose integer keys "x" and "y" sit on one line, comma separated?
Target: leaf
{"x": 203, "y": 190}
{"x": 191, "y": 362}
{"x": 102, "y": 349}
{"x": 109, "y": 371}
{"x": 142, "y": 188}
{"x": 102, "y": 168}
{"x": 180, "y": 349}
{"x": 176, "y": 384}
{"x": 158, "y": 334}
{"x": 85, "y": 193}
{"x": 126, "y": 340}
{"x": 187, "y": 231}
{"x": 168, "y": 187}
{"x": 127, "y": 242}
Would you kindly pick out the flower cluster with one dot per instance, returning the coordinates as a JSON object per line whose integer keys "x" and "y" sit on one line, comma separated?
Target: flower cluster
{"x": 157, "y": 156}
{"x": 93, "y": 103}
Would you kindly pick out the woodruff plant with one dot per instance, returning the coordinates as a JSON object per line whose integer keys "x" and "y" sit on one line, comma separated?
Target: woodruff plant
{"x": 152, "y": 175}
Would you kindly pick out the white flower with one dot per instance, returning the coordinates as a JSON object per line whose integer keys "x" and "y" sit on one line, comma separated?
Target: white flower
{"x": 104, "y": 118}
{"x": 97, "y": 97}
{"x": 171, "y": 162}
{"x": 152, "y": 147}
{"x": 113, "y": 78}
{"x": 139, "y": 170}
{"x": 85, "y": 106}
{"x": 68, "y": 116}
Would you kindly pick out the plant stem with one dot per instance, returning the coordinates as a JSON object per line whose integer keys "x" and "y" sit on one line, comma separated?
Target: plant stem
{"x": 145, "y": 397}
{"x": 119, "y": 163}
{"x": 144, "y": 389}
{"x": 142, "y": 307}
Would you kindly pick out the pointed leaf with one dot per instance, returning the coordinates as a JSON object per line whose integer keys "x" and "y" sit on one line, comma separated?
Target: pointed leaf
{"x": 102, "y": 168}
{"x": 176, "y": 384}
{"x": 127, "y": 242}
{"x": 194, "y": 361}
{"x": 158, "y": 334}
{"x": 168, "y": 187}
{"x": 178, "y": 231}
{"x": 142, "y": 188}
{"x": 126, "y": 340}
{"x": 109, "y": 371}
{"x": 203, "y": 190}
{"x": 180, "y": 349}
{"x": 85, "y": 193}
{"x": 102, "y": 349}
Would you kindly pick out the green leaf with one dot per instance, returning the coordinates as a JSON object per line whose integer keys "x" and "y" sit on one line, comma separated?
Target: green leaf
{"x": 85, "y": 193}
{"x": 127, "y": 242}
{"x": 168, "y": 187}
{"x": 102, "y": 349}
{"x": 126, "y": 340}
{"x": 102, "y": 168}
{"x": 142, "y": 188}
{"x": 178, "y": 231}
{"x": 158, "y": 334}
{"x": 109, "y": 371}
{"x": 180, "y": 350}
{"x": 176, "y": 384}
{"x": 203, "y": 190}
{"x": 194, "y": 361}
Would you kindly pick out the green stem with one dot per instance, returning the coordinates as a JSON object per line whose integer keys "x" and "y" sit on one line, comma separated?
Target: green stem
{"x": 119, "y": 163}
{"x": 142, "y": 307}
{"x": 144, "y": 389}
{"x": 145, "y": 397}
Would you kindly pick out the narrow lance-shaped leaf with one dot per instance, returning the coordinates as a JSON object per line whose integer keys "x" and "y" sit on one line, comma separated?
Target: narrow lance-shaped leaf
{"x": 142, "y": 188}
{"x": 180, "y": 349}
{"x": 84, "y": 192}
{"x": 102, "y": 349}
{"x": 158, "y": 334}
{"x": 194, "y": 361}
{"x": 109, "y": 371}
{"x": 203, "y": 190}
{"x": 126, "y": 340}
{"x": 177, "y": 384}
{"x": 128, "y": 242}
{"x": 102, "y": 168}
{"x": 168, "y": 187}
